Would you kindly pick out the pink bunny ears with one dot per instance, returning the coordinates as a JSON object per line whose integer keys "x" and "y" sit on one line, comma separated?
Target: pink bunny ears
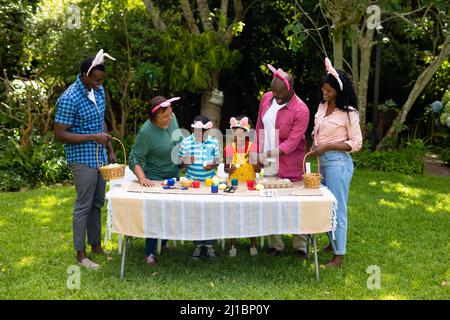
{"x": 280, "y": 74}
{"x": 99, "y": 59}
{"x": 243, "y": 123}
{"x": 200, "y": 125}
{"x": 165, "y": 103}
{"x": 333, "y": 72}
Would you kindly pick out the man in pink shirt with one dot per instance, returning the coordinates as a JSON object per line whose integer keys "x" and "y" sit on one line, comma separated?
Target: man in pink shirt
{"x": 280, "y": 134}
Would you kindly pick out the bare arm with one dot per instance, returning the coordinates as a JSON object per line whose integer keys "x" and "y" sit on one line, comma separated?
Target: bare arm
{"x": 141, "y": 177}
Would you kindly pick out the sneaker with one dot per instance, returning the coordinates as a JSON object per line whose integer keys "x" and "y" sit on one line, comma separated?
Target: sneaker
{"x": 88, "y": 264}
{"x": 253, "y": 251}
{"x": 233, "y": 251}
{"x": 151, "y": 260}
{"x": 210, "y": 252}
{"x": 197, "y": 252}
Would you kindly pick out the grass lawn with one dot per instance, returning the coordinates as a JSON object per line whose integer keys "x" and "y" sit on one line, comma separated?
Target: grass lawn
{"x": 399, "y": 223}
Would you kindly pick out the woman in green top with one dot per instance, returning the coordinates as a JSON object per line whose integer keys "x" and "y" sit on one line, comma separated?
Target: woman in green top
{"x": 150, "y": 157}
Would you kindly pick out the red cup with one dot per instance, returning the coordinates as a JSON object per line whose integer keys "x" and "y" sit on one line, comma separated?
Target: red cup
{"x": 251, "y": 184}
{"x": 196, "y": 184}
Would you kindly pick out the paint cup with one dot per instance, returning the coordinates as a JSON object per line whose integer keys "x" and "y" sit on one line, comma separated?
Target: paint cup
{"x": 196, "y": 184}
{"x": 214, "y": 189}
{"x": 208, "y": 182}
{"x": 251, "y": 184}
{"x": 170, "y": 182}
{"x": 234, "y": 182}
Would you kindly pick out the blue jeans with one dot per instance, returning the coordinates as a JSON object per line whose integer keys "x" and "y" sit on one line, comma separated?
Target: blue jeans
{"x": 150, "y": 245}
{"x": 204, "y": 242}
{"x": 336, "y": 168}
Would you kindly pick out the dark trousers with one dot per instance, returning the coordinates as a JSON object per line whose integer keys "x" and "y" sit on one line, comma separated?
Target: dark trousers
{"x": 90, "y": 188}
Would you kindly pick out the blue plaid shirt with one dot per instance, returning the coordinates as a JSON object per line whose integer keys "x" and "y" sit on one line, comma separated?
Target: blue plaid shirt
{"x": 75, "y": 109}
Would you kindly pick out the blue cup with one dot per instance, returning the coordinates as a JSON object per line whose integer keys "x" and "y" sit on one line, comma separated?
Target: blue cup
{"x": 170, "y": 182}
{"x": 214, "y": 189}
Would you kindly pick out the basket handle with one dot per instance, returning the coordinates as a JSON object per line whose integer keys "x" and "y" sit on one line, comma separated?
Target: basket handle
{"x": 123, "y": 147}
{"x": 304, "y": 162}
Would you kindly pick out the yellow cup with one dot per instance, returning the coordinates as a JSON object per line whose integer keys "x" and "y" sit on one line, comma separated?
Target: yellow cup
{"x": 208, "y": 182}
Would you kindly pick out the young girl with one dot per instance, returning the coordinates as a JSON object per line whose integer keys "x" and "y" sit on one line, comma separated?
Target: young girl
{"x": 240, "y": 163}
{"x": 336, "y": 134}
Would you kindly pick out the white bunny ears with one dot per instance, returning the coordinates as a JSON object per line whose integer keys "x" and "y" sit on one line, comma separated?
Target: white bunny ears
{"x": 243, "y": 123}
{"x": 200, "y": 125}
{"x": 333, "y": 72}
{"x": 165, "y": 103}
{"x": 99, "y": 59}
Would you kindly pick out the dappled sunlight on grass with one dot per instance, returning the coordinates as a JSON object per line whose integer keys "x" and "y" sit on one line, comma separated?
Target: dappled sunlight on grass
{"x": 26, "y": 261}
{"x": 392, "y": 204}
{"x": 392, "y": 296}
{"x": 395, "y": 244}
{"x": 402, "y": 196}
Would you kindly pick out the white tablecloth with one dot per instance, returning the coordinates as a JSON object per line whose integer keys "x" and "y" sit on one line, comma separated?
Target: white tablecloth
{"x": 202, "y": 217}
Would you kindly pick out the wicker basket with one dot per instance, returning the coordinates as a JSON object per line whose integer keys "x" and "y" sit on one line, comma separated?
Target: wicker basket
{"x": 311, "y": 180}
{"x": 116, "y": 172}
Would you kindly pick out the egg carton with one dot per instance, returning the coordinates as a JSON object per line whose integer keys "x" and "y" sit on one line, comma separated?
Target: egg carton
{"x": 277, "y": 184}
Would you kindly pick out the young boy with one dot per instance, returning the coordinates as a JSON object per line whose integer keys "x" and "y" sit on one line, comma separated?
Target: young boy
{"x": 199, "y": 152}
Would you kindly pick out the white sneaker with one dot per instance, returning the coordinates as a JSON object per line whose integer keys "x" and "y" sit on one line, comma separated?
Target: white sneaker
{"x": 210, "y": 252}
{"x": 233, "y": 252}
{"x": 89, "y": 264}
{"x": 253, "y": 251}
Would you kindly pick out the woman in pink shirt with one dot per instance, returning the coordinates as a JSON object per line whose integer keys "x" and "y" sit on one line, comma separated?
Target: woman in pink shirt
{"x": 336, "y": 134}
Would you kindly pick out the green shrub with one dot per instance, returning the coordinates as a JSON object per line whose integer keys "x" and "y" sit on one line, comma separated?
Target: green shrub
{"x": 445, "y": 156}
{"x": 405, "y": 161}
{"x": 41, "y": 163}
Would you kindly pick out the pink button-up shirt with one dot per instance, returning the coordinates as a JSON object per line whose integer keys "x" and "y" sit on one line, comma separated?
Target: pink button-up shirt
{"x": 339, "y": 126}
{"x": 291, "y": 123}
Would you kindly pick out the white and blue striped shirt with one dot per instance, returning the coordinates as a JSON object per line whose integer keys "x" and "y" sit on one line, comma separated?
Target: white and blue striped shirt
{"x": 204, "y": 153}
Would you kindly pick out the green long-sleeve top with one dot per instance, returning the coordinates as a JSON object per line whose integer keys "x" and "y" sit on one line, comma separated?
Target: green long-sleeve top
{"x": 152, "y": 150}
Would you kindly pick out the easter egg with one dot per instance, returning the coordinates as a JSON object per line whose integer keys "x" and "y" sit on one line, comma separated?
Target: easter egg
{"x": 222, "y": 186}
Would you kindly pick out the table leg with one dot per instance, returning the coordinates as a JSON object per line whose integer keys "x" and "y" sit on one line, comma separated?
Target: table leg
{"x": 315, "y": 258}
{"x": 308, "y": 245}
{"x": 262, "y": 242}
{"x": 122, "y": 268}
{"x": 223, "y": 244}
{"x": 120, "y": 244}
{"x": 158, "y": 247}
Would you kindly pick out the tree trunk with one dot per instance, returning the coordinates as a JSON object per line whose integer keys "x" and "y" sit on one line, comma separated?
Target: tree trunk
{"x": 338, "y": 54}
{"x": 209, "y": 109}
{"x": 365, "y": 46}
{"x": 421, "y": 83}
{"x": 355, "y": 58}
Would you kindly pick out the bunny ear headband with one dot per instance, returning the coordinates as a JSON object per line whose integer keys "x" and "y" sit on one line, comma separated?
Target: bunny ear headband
{"x": 99, "y": 59}
{"x": 165, "y": 103}
{"x": 280, "y": 74}
{"x": 243, "y": 123}
{"x": 333, "y": 72}
{"x": 200, "y": 125}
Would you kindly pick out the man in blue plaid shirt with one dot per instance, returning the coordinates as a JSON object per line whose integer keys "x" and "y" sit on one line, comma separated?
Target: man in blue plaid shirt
{"x": 80, "y": 125}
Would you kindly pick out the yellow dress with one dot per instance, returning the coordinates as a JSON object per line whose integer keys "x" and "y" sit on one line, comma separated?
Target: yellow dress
{"x": 245, "y": 171}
